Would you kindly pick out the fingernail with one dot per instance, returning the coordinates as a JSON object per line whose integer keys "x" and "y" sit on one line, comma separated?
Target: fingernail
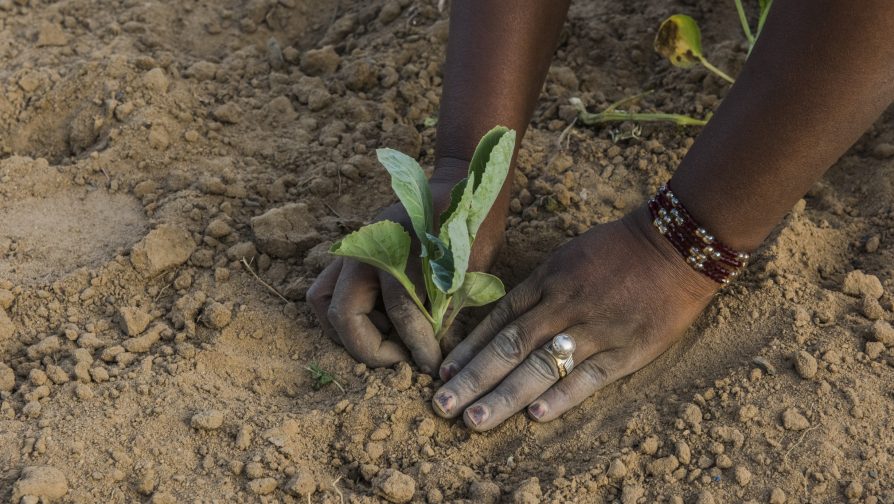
{"x": 448, "y": 371}
{"x": 478, "y": 414}
{"x": 444, "y": 401}
{"x": 537, "y": 410}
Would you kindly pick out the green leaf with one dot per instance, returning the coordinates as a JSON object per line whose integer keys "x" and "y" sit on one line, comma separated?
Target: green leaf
{"x": 460, "y": 251}
{"x": 456, "y": 238}
{"x": 384, "y": 244}
{"x": 492, "y": 179}
{"x": 456, "y": 195}
{"x": 479, "y": 289}
{"x": 483, "y": 150}
{"x": 441, "y": 262}
{"x": 409, "y": 183}
{"x": 765, "y": 10}
{"x": 680, "y": 41}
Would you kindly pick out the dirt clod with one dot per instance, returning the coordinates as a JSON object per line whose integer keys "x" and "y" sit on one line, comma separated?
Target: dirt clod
{"x": 207, "y": 420}
{"x": 792, "y": 419}
{"x": 395, "y": 486}
{"x": 44, "y": 482}
{"x": 163, "y": 248}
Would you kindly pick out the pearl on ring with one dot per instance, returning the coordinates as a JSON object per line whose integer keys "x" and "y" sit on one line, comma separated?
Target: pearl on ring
{"x": 563, "y": 346}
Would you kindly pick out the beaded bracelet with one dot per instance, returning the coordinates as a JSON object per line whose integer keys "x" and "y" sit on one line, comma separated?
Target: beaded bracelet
{"x": 700, "y": 248}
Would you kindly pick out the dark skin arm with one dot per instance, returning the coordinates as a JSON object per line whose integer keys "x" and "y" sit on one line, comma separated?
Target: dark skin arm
{"x": 497, "y": 59}
{"x": 821, "y": 72}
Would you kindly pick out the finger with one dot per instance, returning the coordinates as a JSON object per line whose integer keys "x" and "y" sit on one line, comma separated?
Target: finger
{"x": 506, "y": 351}
{"x": 381, "y": 321}
{"x": 411, "y": 325}
{"x": 320, "y": 295}
{"x": 527, "y": 382}
{"x": 585, "y": 380}
{"x": 512, "y": 306}
{"x": 452, "y": 337}
{"x": 353, "y": 300}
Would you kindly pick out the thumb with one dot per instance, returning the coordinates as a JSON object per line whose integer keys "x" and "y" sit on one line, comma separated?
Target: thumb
{"x": 411, "y": 325}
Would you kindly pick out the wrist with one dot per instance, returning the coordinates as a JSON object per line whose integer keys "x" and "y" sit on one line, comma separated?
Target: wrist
{"x": 448, "y": 171}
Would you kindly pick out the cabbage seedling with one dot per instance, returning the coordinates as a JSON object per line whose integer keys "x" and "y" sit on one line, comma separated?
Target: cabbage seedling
{"x": 680, "y": 41}
{"x": 445, "y": 252}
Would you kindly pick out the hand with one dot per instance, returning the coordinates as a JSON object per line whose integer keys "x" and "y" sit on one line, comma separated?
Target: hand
{"x": 620, "y": 290}
{"x": 358, "y": 305}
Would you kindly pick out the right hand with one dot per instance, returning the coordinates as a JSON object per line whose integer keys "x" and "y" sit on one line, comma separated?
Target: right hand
{"x": 358, "y": 305}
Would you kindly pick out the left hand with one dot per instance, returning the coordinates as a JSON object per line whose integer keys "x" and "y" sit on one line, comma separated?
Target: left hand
{"x": 620, "y": 290}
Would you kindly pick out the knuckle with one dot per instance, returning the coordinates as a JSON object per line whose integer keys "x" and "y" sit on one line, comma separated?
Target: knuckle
{"x": 510, "y": 344}
{"x": 543, "y": 367}
{"x": 335, "y": 314}
{"x": 469, "y": 380}
{"x": 595, "y": 372}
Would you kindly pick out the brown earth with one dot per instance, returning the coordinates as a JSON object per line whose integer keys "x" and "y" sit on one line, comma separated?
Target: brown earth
{"x": 146, "y": 366}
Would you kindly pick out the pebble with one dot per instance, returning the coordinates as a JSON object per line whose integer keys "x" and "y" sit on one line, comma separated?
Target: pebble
{"x": 882, "y": 332}
{"x": 777, "y": 496}
{"x": 743, "y": 475}
{"x": 691, "y": 414}
{"x": 156, "y": 81}
{"x": 323, "y": 61}
{"x": 616, "y": 469}
{"x": 217, "y": 315}
{"x": 395, "y": 486}
{"x": 83, "y": 391}
{"x": 228, "y": 113}
{"x": 854, "y": 490}
{"x": 874, "y": 349}
{"x": 218, "y": 228}
{"x": 485, "y": 492}
{"x": 663, "y": 466}
{"x": 765, "y": 365}
{"x": 649, "y": 445}
{"x": 207, "y": 420}
{"x": 142, "y": 344}
{"x": 7, "y": 378}
{"x": 528, "y": 492}
{"x": 44, "y": 482}
{"x": 262, "y": 486}
{"x": 50, "y": 34}
{"x": 871, "y": 308}
{"x": 165, "y": 247}
{"x": 133, "y": 320}
{"x": 243, "y": 437}
{"x": 805, "y": 364}
{"x": 857, "y": 283}
{"x": 286, "y": 231}
{"x": 684, "y": 453}
{"x": 302, "y": 484}
{"x": 792, "y": 419}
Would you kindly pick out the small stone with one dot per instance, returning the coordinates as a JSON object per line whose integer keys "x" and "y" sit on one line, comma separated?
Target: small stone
{"x": 528, "y": 492}
{"x": 323, "y": 61}
{"x": 691, "y": 414}
{"x": 874, "y": 349}
{"x": 242, "y": 250}
{"x": 765, "y": 365}
{"x": 217, "y": 315}
{"x": 228, "y": 113}
{"x": 254, "y": 470}
{"x": 99, "y": 374}
{"x": 663, "y": 466}
{"x": 777, "y": 496}
{"x": 857, "y": 283}
{"x": 44, "y": 482}
{"x": 243, "y": 437}
{"x": 302, "y": 484}
{"x": 743, "y": 475}
{"x": 854, "y": 490}
{"x": 395, "y": 486}
{"x": 871, "y": 308}
{"x": 485, "y": 492}
{"x": 792, "y": 419}
{"x": 133, "y": 320}
{"x": 723, "y": 461}
{"x": 402, "y": 377}
{"x": 163, "y": 248}
{"x": 262, "y": 486}
{"x": 684, "y": 454}
{"x": 156, "y": 81}
{"x": 286, "y": 231}
{"x": 7, "y": 378}
{"x": 31, "y": 409}
{"x": 805, "y": 365}
{"x": 872, "y": 243}
{"x": 882, "y": 332}
{"x": 218, "y": 228}
{"x": 37, "y": 377}
{"x": 50, "y": 34}
{"x": 616, "y": 469}
{"x": 649, "y": 445}
{"x": 207, "y": 420}
{"x": 83, "y": 391}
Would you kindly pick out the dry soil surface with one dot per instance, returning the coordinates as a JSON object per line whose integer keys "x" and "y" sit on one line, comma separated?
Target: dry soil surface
{"x": 146, "y": 147}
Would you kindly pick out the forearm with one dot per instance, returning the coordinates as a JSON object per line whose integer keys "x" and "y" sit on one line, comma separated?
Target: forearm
{"x": 498, "y": 54}
{"x": 820, "y": 74}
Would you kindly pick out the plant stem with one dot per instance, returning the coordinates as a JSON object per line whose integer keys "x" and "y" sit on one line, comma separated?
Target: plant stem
{"x": 716, "y": 70}
{"x": 590, "y": 118}
{"x": 411, "y": 290}
{"x": 744, "y": 20}
{"x": 449, "y": 322}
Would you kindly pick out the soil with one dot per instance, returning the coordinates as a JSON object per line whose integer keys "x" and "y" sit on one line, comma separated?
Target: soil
{"x": 147, "y": 147}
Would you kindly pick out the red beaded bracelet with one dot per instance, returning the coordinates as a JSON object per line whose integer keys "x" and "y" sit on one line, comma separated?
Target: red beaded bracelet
{"x": 700, "y": 248}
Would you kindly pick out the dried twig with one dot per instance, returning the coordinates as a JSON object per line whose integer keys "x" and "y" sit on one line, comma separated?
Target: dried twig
{"x": 796, "y": 443}
{"x": 265, "y": 284}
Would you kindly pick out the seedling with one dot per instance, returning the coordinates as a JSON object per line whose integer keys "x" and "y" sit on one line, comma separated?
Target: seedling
{"x": 613, "y": 113}
{"x": 445, "y": 251}
{"x": 322, "y": 377}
